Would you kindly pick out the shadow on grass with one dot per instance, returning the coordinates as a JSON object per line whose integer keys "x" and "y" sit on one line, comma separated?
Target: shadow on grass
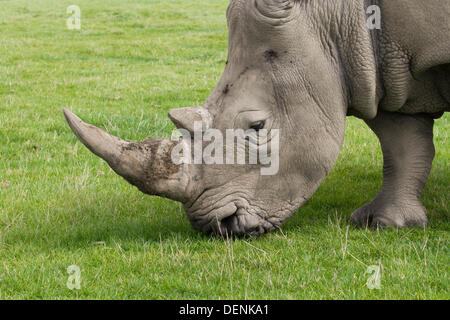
{"x": 98, "y": 221}
{"x": 340, "y": 195}
{"x": 142, "y": 219}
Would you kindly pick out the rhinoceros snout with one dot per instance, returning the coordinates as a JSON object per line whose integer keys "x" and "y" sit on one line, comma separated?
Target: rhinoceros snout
{"x": 237, "y": 224}
{"x": 242, "y": 225}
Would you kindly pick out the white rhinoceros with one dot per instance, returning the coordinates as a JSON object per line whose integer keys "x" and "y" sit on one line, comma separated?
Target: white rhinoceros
{"x": 302, "y": 67}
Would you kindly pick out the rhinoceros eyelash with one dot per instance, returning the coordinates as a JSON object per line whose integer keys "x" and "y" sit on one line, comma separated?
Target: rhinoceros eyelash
{"x": 258, "y": 125}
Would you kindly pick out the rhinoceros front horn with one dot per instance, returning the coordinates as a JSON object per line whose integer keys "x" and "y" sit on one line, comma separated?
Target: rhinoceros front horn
{"x": 147, "y": 164}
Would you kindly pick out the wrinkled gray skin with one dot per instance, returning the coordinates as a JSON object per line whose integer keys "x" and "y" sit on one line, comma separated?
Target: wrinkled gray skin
{"x": 303, "y": 67}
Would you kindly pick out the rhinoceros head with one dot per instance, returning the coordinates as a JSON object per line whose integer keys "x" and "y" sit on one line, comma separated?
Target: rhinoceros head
{"x": 280, "y": 77}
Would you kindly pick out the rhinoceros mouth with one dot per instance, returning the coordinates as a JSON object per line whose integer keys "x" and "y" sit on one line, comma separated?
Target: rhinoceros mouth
{"x": 243, "y": 225}
{"x": 237, "y": 224}
{"x": 231, "y": 216}
{"x": 242, "y": 217}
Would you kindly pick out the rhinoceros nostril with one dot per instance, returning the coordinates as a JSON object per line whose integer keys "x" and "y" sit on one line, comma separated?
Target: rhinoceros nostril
{"x": 227, "y": 227}
{"x": 228, "y": 219}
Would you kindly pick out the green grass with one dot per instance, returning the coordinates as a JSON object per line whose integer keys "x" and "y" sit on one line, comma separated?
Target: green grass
{"x": 132, "y": 62}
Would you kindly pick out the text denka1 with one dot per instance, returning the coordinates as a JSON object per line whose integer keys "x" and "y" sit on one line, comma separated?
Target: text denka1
{"x": 234, "y": 309}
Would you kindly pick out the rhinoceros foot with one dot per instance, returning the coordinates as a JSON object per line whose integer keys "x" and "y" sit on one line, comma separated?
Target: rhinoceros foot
{"x": 381, "y": 213}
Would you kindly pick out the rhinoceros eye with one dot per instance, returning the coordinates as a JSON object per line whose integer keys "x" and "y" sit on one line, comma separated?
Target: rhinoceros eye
{"x": 258, "y": 125}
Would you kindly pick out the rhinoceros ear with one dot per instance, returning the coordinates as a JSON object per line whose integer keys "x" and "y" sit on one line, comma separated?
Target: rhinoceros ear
{"x": 185, "y": 118}
{"x": 275, "y": 9}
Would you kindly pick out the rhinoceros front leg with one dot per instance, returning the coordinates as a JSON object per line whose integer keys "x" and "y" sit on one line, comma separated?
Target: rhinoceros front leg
{"x": 408, "y": 152}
